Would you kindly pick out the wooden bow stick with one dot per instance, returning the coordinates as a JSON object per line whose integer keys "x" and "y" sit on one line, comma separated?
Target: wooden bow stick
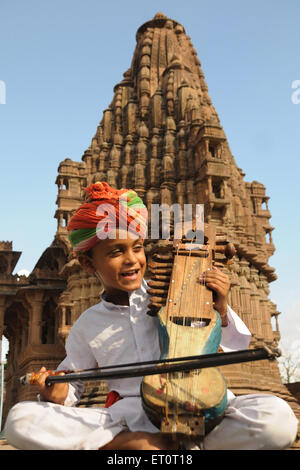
{"x": 180, "y": 364}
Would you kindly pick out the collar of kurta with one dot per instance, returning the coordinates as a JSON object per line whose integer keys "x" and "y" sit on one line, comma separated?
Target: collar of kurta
{"x": 140, "y": 293}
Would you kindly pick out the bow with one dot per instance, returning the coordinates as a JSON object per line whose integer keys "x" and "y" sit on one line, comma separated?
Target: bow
{"x": 140, "y": 369}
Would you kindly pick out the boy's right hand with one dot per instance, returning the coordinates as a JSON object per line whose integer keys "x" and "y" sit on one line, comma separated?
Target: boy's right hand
{"x": 57, "y": 392}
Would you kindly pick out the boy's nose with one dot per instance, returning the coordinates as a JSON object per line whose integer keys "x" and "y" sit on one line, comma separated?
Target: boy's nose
{"x": 130, "y": 257}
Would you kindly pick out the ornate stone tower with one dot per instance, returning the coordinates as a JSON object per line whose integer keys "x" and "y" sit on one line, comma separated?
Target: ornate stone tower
{"x": 161, "y": 136}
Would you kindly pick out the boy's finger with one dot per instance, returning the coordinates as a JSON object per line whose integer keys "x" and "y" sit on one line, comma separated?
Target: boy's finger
{"x": 212, "y": 276}
{"x": 42, "y": 378}
{"x": 215, "y": 285}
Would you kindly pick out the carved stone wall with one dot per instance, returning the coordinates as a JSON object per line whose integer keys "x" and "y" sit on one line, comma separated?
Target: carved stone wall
{"x": 161, "y": 136}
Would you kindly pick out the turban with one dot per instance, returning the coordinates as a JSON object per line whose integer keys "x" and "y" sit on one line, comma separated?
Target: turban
{"x": 106, "y": 209}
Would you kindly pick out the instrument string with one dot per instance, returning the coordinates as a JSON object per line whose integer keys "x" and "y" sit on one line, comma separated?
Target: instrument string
{"x": 197, "y": 303}
{"x": 185, "y": 308}
{"x": 201, "y": 267}
{"x": 187, "y": 305}
{"x": 186, "y": 302}
{"x": 190, "y": 309}
{"x": 206, "y": 266}
{"x": 170, "y": 325}
{"x": 178, "y": 304}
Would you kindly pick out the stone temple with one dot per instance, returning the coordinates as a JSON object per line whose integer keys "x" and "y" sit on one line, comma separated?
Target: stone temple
{"x": 161, "y": 136}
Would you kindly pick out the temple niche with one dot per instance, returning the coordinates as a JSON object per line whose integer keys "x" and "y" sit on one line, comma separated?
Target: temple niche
{"x": 161, "y": 136}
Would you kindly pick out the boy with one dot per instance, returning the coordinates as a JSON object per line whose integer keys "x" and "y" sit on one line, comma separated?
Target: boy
{"x": 118, "y": 330}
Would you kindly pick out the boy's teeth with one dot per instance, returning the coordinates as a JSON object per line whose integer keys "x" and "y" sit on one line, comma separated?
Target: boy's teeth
{"x": 128, "y": 273}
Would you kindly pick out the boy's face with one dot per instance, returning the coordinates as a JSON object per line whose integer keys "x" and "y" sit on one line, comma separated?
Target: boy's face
{"x": 120, "y": 263}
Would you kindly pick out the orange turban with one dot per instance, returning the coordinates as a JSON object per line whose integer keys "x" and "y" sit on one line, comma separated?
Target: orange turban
{"x": 105, "y": 210}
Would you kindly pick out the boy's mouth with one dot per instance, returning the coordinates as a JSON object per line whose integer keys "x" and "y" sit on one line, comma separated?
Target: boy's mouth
{"x": 131, "y": 274}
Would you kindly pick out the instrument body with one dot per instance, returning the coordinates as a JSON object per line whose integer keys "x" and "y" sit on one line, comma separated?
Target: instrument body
{"x": 187, "y": 403}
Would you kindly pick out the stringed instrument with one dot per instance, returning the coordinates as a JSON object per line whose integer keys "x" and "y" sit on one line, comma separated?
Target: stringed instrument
{"x": 186, "y": 404}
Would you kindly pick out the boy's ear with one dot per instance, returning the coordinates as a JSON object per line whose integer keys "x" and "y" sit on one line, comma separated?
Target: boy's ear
{"x": 86, "y": 263}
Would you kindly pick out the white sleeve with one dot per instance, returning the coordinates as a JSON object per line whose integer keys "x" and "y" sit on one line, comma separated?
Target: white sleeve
{"x": 79, "y": 356}
{"x": 235, "y": 335}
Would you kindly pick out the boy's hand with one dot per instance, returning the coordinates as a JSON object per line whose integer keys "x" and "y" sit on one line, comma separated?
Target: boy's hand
{"x": 56, "y": 393}
{"x": 219, "y": 282}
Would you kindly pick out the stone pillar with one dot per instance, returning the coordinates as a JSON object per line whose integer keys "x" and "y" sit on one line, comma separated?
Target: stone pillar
{"x": 266, "y": 321}
{"x": 209, "y": 185}
{"x": 256, "y": 314}
{"x": 35, "y": 318}
{"x": 2, "y": 309}
{"x": 245, "y": 305}
{"x": 62, "y": 320}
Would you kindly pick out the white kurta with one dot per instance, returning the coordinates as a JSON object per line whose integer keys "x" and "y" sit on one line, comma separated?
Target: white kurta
{"x": 109, "y": 334}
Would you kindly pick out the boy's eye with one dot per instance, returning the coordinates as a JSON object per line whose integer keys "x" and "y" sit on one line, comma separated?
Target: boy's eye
{"x": 119, "y": 251}
{"x": 115, "y": 252}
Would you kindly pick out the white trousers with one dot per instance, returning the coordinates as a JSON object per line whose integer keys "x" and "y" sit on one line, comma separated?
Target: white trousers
{"x": 251, "y": 422}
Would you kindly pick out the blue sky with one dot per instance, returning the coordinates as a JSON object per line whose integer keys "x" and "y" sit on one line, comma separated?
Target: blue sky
{"x": 60, "y": 61}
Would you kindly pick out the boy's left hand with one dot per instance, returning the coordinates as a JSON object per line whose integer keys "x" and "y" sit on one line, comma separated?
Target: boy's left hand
{"x": 220, "y": 284}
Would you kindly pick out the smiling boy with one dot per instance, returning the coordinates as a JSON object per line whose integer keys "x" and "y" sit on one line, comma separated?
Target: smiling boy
{"x": 107, "y": 234}
{"x": 119, "y": 264}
